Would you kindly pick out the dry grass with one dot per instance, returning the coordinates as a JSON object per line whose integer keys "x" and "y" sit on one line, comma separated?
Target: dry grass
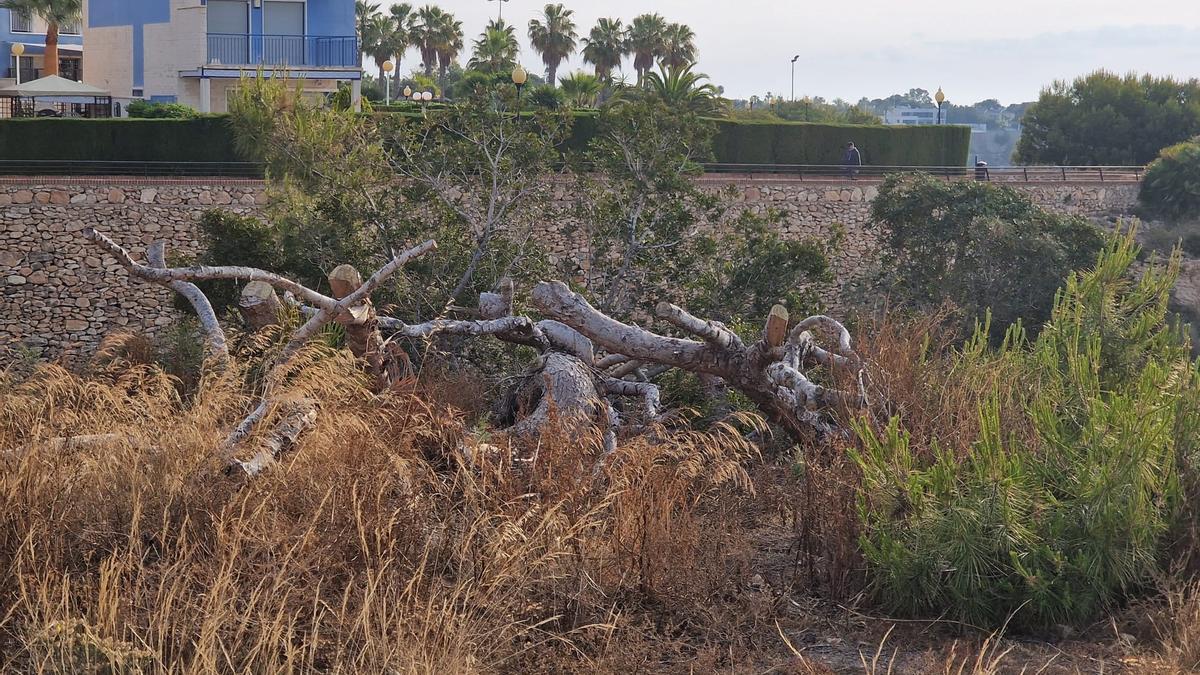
{"x": 374, "y": 548}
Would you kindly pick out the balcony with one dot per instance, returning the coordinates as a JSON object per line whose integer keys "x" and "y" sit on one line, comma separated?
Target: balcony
{"x": 293, "y": 51}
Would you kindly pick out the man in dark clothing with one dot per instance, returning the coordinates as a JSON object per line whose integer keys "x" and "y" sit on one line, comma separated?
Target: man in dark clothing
{"x": 852, "y": 160}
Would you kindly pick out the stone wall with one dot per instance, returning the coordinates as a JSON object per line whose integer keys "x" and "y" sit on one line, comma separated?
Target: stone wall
{"x": 59, "y": 295}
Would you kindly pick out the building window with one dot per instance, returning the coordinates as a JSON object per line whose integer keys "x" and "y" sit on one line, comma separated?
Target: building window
{"x": 21, "y": 22}
{"x": 72, "y": 28}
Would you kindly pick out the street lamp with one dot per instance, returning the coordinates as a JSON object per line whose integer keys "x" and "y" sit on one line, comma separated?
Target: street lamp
{"x": 940, "y": 98}
{"x": 807, "y": 103}
{"x": 17, "y": 50}
{"x": 794, "y": 58}
{"x": 500, "y": 14}
{"x": 387, "y": 67}
{"x": 519, "y": 76}
{"x": 407, "y": 91}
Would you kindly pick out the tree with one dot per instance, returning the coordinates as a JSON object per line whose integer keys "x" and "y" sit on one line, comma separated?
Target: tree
{"x": 554, "y": 37}
{"x": 380, "y": 40}
{"x": 55, "y": 13}
{"x": 403, "y": 20}
{"x": 432, "y": 30}
{"x": 980, "y": 246}
{"x": 1172, "y": 184}
{"x": 605, "y": 47}
{"x": 645, "y": 41}
{"x": 679, "y": 47}
{"x": 494, "y": 52}
{"x": 582, "y": 89}
{"x": 449, "y": 44}
{"x": 682, "y": 89}
{"x": 363, "y": 13}
{"x": 1103, "y": 118}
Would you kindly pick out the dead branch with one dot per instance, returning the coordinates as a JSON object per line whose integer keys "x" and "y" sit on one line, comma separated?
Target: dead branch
{"x": 214, "y": 335}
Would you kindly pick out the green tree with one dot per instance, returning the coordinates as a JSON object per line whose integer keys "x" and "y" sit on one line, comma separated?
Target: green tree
{"x": 683, "y": 89}
{"x": 1109, "y": 119}
{"x": 1172, "y": 184}
{"x": 979, "y": 246}
{"x": 605, "y": 47}
{"x": 553, "y": 36}
{"x": 645, "y": 41}
{"x": 582, "y": 89}
{"x": 56, "y": 13}
{"x": 494, "y": 52}
{"x": 403, "y": 20}
{"x": 363, "y": 13}
{"x": 679, "y": 47}
{"x": 432, "y": 30}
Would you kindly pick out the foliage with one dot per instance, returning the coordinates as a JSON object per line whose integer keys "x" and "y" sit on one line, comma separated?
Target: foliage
{"x": 545, "y": 96}
{"x": 681, "y": 89}
{"x": 553, "y": 36}
{"x": 644, "y": 40}
{"x": 232, "y": 239}
{"x": 976, "y": 245}
{"x": 581, "y": 89}
{"x": 495, "y": 51}
{"x": 1171, "y": 187}
{"x": 678, "y": 47}
{"x": 157, "y": 110}
{"x": 810, "y": 110}
{"x": 1108, "y": 119}
{"x": 1056, "y": 508}
{"x": 438, "y": 36}
{"x": 606, "y": 46}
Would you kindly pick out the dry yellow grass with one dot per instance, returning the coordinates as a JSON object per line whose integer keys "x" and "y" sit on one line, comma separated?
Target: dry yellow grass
{"x": 374, "y": 547}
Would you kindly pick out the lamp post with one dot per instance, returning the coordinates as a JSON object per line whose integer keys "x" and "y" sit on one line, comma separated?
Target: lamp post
{"x": 500, "y": 13}
{"x": 940, "y": 98}
{"x": 17, "y": 50}
{"x": 387, "y": 67}
{"x": 807, "y": 104}
{"x": 794, "y": 58}
{"x": 407, "y": 92}
{"x": 519, "y": 77}
{"x": 425, "y": 97}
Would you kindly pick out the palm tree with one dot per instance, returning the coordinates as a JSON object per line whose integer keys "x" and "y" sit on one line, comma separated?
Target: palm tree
{"x": 606, "y": 46}
{"x": 428, "y": 32}
{"x": 554, "y": 38}
{"x": 403, "y": 19}
{"x": 681, "y": 88}
{"x": 582, "y": 89}
{"x": 55, "y": 13}
{"x": 363, "y": 13}
{"x": 379, "y": 41}
{"x": 679, "y": 46}
{"x": 450, "y": 43}
{"x": 494, "y": 52}
{"x": 646, "y": 41}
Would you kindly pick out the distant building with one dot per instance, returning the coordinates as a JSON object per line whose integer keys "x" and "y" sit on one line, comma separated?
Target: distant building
{"x": 904, "y": 115}
{"x": 195, "y": 51}
{"x": 30, "y": 31}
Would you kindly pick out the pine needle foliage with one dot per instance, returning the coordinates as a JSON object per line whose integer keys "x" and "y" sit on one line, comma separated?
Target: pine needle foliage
{"x": 1058, "y": 509}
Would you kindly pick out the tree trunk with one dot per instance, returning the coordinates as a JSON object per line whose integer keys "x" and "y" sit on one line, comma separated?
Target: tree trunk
{"x": 259, "y": 305}
{"x": 551, "y": 75}
{"x": 50, "y": 65}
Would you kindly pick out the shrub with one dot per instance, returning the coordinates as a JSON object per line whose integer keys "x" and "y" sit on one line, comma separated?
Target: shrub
{"x": 160, "y": 110}
{"x": 803, "y": 143}
{"x": 1056, "y": 507}
{"x": 976, "y": 245}
{"x": 202, "y": 139}
{"x": 1172, "y": 184}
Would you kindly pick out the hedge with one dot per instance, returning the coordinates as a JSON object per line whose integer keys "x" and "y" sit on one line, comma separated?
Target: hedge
{"x": 804, "y": 143}
{"x": 202, "y": 139}
{"x": 209, "y": 139}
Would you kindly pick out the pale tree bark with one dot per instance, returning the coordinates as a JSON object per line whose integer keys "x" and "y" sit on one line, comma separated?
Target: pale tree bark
{"x": 259, "y": 305}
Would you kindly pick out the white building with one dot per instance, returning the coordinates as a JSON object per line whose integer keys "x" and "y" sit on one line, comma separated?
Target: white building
{"x": 196, "y": 51}
{"x": 905, "y": 115}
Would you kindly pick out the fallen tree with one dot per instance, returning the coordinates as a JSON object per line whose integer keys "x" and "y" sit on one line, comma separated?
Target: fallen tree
{"x": 568, "y": 382}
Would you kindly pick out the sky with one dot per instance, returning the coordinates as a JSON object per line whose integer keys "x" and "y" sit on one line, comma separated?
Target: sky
{"x": 973, "y": 49}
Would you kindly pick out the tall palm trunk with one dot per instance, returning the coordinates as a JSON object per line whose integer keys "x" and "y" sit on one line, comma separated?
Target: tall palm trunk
{"x": 552, "y": 75}
{"x": 50, "y": 65}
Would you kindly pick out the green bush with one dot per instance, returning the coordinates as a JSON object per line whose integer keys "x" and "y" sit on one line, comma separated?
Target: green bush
{"x": 1055, "y": 510}
{"x": 978, "y": 246}
{"x": 202, "y": 139}
{"x": 1172, "y": 184}
{"x": 156, "y": 110}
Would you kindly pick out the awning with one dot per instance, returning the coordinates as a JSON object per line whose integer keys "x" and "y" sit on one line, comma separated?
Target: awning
{"x": 52, "y": 85}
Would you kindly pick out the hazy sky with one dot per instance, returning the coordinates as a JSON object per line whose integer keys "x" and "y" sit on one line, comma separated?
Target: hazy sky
{"x": 974, "y": 49}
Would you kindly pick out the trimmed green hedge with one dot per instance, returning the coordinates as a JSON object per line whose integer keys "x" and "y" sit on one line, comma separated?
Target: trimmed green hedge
{"x": 804, "y": 143}
{"x": 209, "y": 139}
{"x": 201, "y": 139}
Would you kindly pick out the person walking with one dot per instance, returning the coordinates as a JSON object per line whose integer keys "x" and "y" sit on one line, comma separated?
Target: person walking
{"x": 852, "y": 160}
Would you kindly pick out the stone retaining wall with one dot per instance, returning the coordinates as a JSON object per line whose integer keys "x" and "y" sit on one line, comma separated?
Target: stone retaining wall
{"x": 59, "y": 295}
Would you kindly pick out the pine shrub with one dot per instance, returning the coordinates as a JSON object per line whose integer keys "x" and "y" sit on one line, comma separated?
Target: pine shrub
{"x": 1172, "y": 184}
{"x": 1058, "y": 506}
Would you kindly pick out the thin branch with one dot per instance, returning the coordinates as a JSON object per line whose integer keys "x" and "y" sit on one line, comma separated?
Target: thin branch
{"x": 214, "y": 335}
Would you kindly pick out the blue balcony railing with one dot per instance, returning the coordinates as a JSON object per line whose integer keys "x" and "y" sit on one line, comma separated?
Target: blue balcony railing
{"x": 233, "y": 49}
